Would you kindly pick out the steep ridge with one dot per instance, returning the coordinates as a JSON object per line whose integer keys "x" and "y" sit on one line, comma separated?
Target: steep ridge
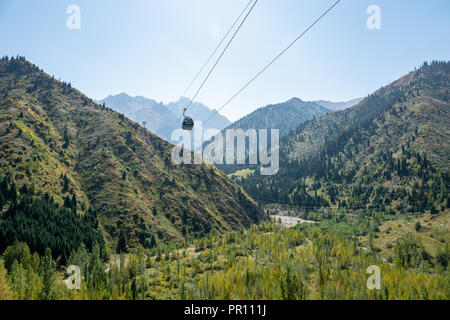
{"x": 390, "y": 152}
{"x": 55, "y": 140}
{"x": 284, "y": 116}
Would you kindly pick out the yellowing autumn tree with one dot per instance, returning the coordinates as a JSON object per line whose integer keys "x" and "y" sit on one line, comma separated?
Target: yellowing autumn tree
{"x": 5, "y": 291}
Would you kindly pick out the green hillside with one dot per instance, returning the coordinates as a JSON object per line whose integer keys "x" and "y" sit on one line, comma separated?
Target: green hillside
{"x": 56, "y": 141}
{"x": 284, "y": 117}
{"x": 374, "y": 178}
{"x": 391, "y": 152}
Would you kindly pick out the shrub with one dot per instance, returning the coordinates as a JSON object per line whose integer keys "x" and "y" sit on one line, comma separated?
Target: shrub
{"x": 418, "y": 226}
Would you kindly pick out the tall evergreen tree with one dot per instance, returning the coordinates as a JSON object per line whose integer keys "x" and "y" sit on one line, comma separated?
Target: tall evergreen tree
{"x": 47, "y": 270}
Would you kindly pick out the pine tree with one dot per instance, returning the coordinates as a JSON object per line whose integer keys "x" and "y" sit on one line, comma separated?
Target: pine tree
{"x": 122, "y": 244}
{"x": 74, "y": 203}
{"x": 47, "y": 270}
{"x": 66, "y": 138}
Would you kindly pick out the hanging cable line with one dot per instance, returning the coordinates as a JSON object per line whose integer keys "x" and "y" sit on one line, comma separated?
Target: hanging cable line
{"x": 273, "y": 61}
{"x": 217, "y": 48}
{"x": 213, "y": 53}
{"x": 220, "y": 57}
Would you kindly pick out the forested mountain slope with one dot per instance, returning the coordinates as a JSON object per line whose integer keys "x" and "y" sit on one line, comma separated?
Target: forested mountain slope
{"x": 55, "y": 140}
{"x": 284, "y": 116}
{"x": 391, "y": 152}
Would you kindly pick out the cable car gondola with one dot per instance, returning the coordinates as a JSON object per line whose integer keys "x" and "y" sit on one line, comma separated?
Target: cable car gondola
{"x": 188, "y": 123}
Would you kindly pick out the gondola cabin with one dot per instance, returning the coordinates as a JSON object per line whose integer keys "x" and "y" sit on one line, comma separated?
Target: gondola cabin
{"x": 188, "y": 123}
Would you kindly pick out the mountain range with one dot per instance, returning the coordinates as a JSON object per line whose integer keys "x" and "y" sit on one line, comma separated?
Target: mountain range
{"x": 162, "y": 119}
{"x": 57, "y": 143}
{"x": 83, "y": 185}
{"x": 284, "y": 116}
{"x": 390, "y": 152}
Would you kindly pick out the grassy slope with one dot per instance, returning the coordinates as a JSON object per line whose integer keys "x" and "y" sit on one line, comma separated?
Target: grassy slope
{"x": 424, "y": 108}
{"x": 434, "y": 234}
{"x": 111, "y": 163}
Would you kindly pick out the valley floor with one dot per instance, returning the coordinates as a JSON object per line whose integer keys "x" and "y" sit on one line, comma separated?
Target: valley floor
{"x": 322, "y": 260}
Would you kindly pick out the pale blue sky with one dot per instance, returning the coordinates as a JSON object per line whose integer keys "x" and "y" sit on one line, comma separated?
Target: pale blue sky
{"x": 154, "y": 48}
